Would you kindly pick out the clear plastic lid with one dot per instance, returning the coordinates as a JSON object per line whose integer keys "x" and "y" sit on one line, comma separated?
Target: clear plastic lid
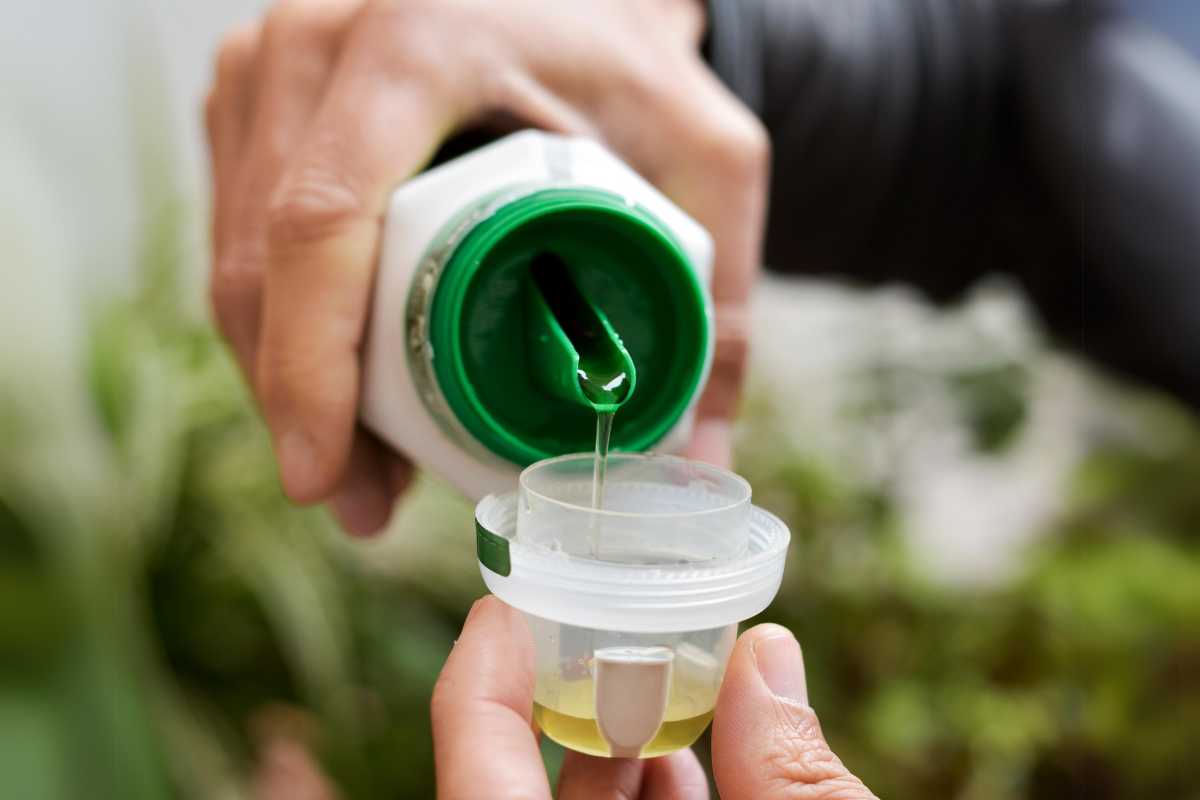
{"x": 677, "y": 546}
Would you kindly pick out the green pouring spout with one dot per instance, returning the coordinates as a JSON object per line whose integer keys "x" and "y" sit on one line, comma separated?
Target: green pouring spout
{"x": 574, "y": 353}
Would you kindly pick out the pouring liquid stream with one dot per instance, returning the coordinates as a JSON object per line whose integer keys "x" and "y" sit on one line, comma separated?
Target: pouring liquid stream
{"x": 604, "y": 372}
{"x": 604, "y": 421}
{"x": 605, "y": 388}
{"x": 605, "y": 412}
{"x": 605, "y": 384}
{"x": 604, "y": 391}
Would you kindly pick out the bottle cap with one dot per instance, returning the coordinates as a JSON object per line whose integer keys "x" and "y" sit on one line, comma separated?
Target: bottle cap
{"x": 508, "y": 368}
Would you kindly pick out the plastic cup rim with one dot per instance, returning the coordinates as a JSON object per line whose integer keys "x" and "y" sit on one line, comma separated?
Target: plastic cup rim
{"x": 741, "y": 482}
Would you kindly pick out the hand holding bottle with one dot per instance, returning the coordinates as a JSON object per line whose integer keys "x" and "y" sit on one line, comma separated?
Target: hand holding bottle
{"x": 319, "y": 111}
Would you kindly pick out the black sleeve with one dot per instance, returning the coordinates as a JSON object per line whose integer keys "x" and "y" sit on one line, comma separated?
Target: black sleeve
{"x": 936, "y": 141}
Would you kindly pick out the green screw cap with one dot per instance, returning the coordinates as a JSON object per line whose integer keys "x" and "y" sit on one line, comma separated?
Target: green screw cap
{"x": 543, "y": 307}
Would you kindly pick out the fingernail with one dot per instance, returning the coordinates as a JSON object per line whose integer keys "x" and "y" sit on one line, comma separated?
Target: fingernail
{"x": 782, "y": 666}
{"x": 298, "y": 466}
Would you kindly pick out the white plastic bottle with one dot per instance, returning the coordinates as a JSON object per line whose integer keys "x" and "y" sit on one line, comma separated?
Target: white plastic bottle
{"x": 453, "y": 376}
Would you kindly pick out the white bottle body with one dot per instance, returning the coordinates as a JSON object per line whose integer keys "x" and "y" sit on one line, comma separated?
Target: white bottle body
{"x": 396, "y": 404}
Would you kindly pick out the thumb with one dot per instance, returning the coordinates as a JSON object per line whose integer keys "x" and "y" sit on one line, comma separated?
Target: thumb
{"x": 766, "y": 741}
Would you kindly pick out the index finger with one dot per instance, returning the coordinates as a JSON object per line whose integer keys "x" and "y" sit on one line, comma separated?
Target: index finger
{"x": 483, "y": 744}
{"x": 381, "y": 120}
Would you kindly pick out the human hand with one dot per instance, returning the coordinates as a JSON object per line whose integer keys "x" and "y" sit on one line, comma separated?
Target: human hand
{"x": 321, "y": 109}
{"x": 766, "y": 740}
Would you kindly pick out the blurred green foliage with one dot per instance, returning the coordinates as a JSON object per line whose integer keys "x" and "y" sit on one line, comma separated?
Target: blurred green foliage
{"x": 165, "y": 613}
{"x": 1079, "y": 678}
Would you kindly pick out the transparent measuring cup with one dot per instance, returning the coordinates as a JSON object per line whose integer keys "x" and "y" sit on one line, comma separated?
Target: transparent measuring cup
{"x": 655, "y": 509}
{"x": 634, "y": 607}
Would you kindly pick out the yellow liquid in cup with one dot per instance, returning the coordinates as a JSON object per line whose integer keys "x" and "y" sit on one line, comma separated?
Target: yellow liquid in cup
{"x": 565, "y": 710}
{"x": 583, "y": 734}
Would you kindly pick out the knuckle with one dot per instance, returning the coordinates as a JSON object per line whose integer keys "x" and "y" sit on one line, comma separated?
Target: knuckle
{"x": 732, "y": 329}
{"x": 399, "y": 17}
{"x": 643, "y": 80}
{"x": 234, "y": 283}
{"x": 236, "y": 53}
{"x": 314, "y": 206}
{"x": 300, "y": 23}
{"x": 740, "y": 145}
{"x": 301, "y": 39}
{"x": 410, "y": 40}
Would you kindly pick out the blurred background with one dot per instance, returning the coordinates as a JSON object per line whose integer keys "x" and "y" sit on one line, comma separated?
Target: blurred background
{"x": 995, "y": 571}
